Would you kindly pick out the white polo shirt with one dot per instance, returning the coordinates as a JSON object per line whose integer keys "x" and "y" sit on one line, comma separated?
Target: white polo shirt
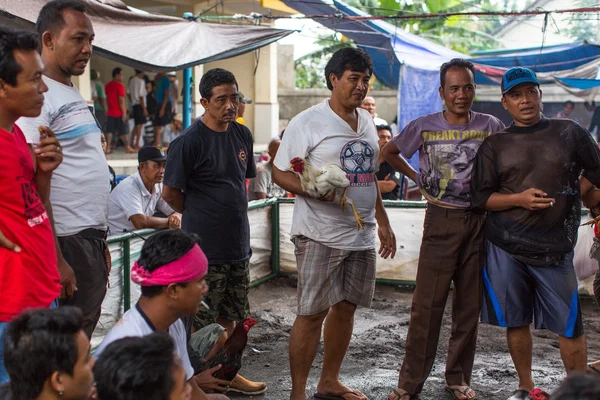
{"x": 131, "y": 197}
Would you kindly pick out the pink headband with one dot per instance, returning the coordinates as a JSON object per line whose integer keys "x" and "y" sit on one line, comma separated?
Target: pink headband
{"x": 191, "y": 266}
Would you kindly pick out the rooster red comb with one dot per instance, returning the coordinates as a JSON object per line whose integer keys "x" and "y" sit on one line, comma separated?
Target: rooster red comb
{"x": 249, "y": 323}
{"x": 297, "y": 165}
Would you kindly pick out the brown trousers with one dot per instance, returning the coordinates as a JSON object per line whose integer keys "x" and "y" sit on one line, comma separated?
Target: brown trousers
{"x": 452, "y": 251}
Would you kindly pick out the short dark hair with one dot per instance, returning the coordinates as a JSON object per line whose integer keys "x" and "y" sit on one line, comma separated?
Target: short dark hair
{"x": 116, "y": 71}
{"x": 215, "y": 77}
{"x": 137, "y": 71}
{"x": 384, "y": 128}
{"x": 162, "y": 248}
{"x": 578, "y": 387}
{"x": 136, "y": 368}
{"x": 569, "y": 102}
{"x": 348, "y": 58}
{"x": 455, "y": 63}
{"x": 50, "y": 17}
{"x": 38, "y": 343}
{"x": 11, "y": 40}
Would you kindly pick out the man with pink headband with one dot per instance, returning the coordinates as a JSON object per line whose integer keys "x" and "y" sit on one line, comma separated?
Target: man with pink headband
{"x": 171, "y": 271}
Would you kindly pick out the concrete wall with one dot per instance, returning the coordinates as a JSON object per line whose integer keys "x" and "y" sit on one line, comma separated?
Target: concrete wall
{"x": 294, "y": 101}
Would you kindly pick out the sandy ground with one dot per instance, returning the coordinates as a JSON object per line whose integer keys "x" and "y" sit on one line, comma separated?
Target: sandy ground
{"x": 377, "y": 347}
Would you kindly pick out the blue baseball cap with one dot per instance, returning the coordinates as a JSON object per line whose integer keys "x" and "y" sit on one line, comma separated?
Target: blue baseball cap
{"x": 516, "y": 76}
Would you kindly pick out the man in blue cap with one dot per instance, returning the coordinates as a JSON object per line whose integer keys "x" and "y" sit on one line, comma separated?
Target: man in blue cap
{"x": 528, "y": 178}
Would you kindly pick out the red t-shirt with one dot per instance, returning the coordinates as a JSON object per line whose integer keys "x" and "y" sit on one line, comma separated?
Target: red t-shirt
{"x": 28, "y": 279}
{"x": 114, "y": 90}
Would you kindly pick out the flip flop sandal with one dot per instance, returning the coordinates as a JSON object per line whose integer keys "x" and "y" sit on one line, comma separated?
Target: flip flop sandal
{"x": 340, "y": 396}
{"x": 594, "y": 370}
{"x": 453, "y": 392}
{"x": 519, "y": 394}
{"x": 400, "y": 396}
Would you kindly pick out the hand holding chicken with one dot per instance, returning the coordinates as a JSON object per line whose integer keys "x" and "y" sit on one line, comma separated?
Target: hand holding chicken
{"x": 322, "y": 182}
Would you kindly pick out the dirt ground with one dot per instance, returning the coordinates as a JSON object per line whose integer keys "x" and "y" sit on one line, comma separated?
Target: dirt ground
{"x": 377, "y": 347}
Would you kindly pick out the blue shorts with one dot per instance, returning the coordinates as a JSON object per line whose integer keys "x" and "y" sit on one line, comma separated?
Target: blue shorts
{"x": 514, "y": 292}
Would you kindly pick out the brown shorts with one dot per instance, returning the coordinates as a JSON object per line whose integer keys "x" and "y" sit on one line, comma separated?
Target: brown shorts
{"x": 327, "y": 276}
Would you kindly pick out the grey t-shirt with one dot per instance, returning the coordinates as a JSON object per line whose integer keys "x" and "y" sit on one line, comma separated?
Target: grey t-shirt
{"x": 134, "y": 323}
{"x": 446, "y": 154}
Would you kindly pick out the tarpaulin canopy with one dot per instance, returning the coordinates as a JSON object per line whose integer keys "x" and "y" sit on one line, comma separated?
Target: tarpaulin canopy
{"x": 151, "y": 42}
{"x": 580, "y": 83}
{"x": 390, "y": 47}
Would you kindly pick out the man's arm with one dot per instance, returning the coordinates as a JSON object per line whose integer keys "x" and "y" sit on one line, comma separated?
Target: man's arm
{"x": 174, "y": 198}
{"x": 590, "y": 195}
{"x": 386, "y": 234}
{"x": 531, "y": 199}
{"x": 123, "y": 108}
{"x": 391, "y": 153}
{"x": 143, "y": 105}
{"x": 141, "y": 221}
{"x": 163, "y": 105}
{"x": 288, "y": 181}
{"x": 387, "y": 185}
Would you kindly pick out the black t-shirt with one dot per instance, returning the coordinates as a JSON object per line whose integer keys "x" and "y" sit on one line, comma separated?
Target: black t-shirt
{"x": 549, "y": 156}
{"x": 386, "y": 169}
{"x": 113, "y": 178}
{"x": 211, "y": 169}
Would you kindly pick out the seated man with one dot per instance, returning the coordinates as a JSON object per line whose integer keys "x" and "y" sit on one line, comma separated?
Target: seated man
{"x": 387, "y": 177}
{"x": 262, "y": 187}
{"x": 133, "y": 203}
{"x": 172, "y": 273}
{"x": 47, "y": 355}
{"x": 141, "y": 368}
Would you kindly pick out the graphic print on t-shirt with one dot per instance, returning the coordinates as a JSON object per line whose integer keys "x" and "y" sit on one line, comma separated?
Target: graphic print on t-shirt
{"x": 358, "y": 160}
{"x": 451, "y": 152}
{"x": 34, "y": 210}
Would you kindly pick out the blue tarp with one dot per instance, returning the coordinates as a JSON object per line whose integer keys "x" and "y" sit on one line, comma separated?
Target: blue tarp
{"x": 579, "y": 83}
{"x": 391, "y": 47}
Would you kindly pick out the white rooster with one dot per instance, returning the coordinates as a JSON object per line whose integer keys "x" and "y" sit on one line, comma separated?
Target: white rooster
{"x": 321, "y": 182}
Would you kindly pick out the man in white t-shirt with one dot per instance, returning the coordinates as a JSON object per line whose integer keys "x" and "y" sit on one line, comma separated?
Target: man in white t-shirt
{"x": 79, "y": 189}
{"x": 336, "y": 262}
{"x": 137, "y": 95}
{"x": 369, "y": 104}
{"x": 172, "y": 273}
{"x": 136, "y": 199}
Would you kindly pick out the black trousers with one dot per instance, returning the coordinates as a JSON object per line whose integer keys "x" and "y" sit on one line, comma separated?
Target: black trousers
{"x": 86, "y": 254}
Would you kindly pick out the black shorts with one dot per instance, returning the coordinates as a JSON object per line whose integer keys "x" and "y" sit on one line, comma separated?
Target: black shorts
{"x": 138, "y": 115}
{"x": 85, "y": 252}
{"x": 116, "y": 125}
{"x": 166, "y": 119}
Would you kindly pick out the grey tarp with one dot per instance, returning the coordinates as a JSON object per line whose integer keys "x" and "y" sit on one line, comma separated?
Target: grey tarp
{"x": 150, "y": 42}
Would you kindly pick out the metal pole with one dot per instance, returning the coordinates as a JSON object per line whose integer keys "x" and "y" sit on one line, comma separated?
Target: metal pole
{"x": 187, "y": 97}
{"x": 187, "y": 86}
{"x": 126, "y": 275}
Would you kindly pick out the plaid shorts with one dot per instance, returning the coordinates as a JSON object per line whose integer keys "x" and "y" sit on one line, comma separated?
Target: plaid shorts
{"x": 327, "y": 276}
{"x": 227, "y": 296}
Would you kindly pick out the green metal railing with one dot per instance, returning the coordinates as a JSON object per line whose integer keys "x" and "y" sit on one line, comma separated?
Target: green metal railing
{"x": 125, "y": 241}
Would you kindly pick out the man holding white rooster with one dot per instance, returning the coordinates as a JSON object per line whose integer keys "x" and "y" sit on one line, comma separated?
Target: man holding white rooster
{"x": 335, "y": 247}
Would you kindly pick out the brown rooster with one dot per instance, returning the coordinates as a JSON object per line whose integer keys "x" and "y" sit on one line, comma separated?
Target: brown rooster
{"x": 230, "y": 356}
{"x": 321, "y": 182}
